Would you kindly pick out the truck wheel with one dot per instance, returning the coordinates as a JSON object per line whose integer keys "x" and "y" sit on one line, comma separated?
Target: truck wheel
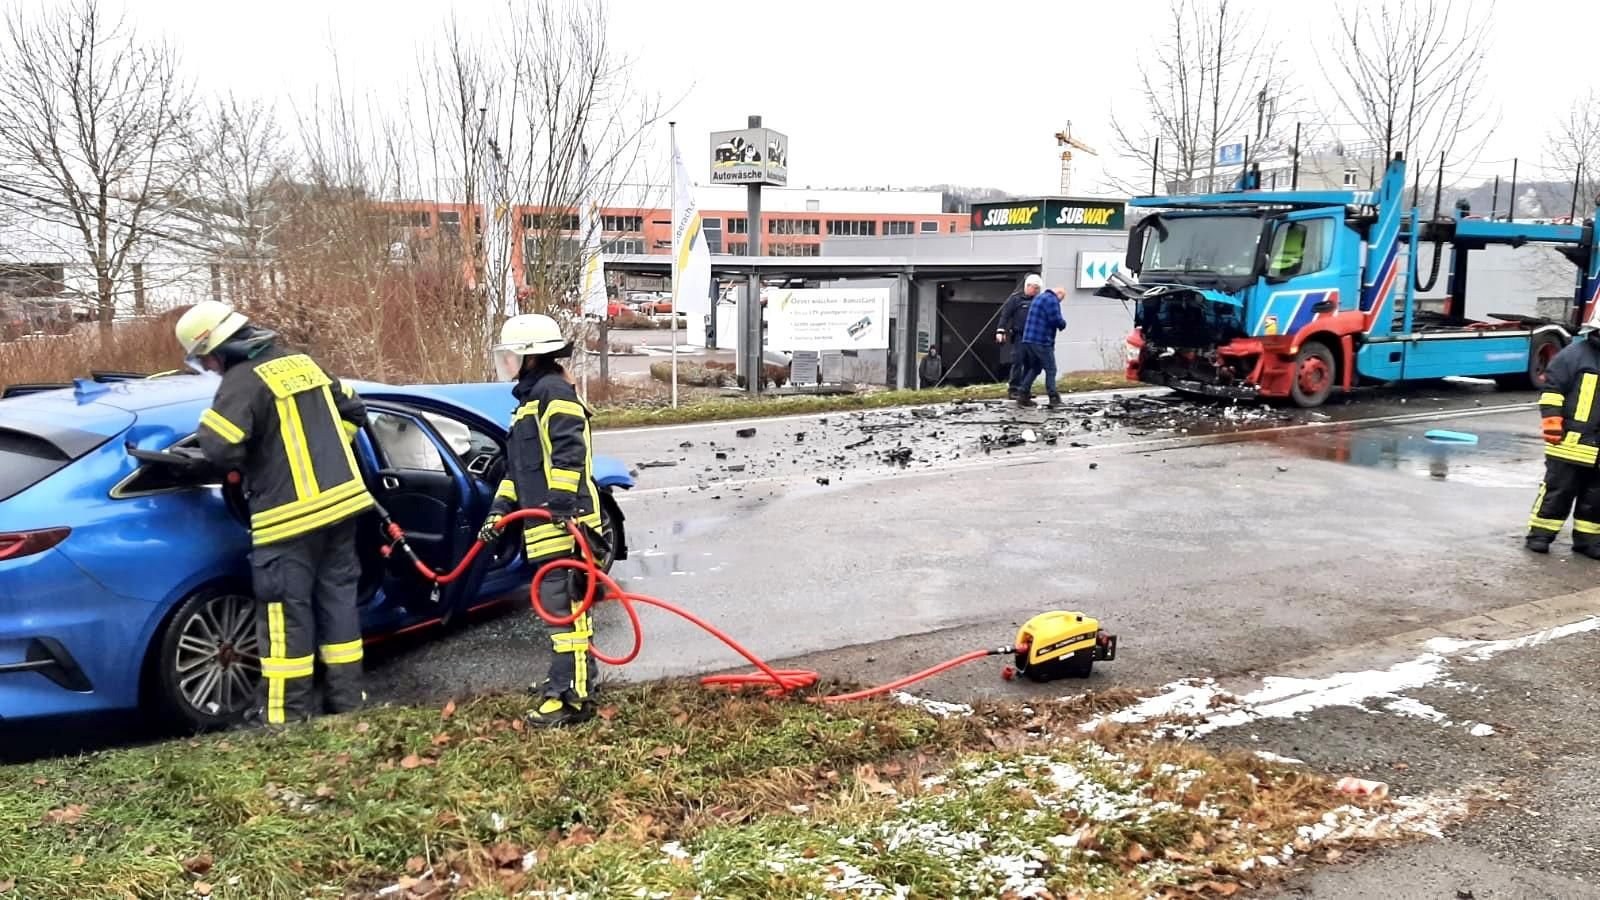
{"x": 1541, "y": 351}
{"x": 1313, "y": 375}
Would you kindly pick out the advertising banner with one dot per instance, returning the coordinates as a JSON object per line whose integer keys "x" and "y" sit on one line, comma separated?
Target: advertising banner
{"x": 749, "y": 156}
{"x": 828, "y": 319}
{"x": 1036, "y": 215}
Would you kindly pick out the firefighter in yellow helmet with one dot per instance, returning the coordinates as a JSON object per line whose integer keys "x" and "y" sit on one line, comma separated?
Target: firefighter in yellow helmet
{"x": 286, "y": 426}
{"x": 549, "y": 465}
{"x": 1570, "y": 412}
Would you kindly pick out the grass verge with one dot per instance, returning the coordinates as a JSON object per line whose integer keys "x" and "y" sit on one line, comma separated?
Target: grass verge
{"x": 674, "y": 791}
{"x": 726, "y": 408}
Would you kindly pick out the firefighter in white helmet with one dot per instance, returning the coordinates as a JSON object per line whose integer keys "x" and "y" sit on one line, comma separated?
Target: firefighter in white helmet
{"x": 1571, "y": 424}
{"x": 549, "y": 465}
{"x": 286, "y": 427}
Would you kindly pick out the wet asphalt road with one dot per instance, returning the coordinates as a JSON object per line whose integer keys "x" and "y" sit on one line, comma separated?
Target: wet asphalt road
{"x": 1245, "y": 540}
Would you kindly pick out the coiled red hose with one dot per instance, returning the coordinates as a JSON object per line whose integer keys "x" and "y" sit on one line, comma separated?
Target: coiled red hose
{"x": 776, "y": 681}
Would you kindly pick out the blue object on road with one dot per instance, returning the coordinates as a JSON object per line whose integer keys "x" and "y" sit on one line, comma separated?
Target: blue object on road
{"x": 1457, "y": 437}
{"x": 125, "y": 581}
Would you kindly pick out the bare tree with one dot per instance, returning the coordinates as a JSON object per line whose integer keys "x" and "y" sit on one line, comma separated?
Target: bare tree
{"x": 244, "y": 162}
{"x": 96, "y": 126}
{"x": 1410, "y": 75}
{"x": 1573, "y": 159}
{"x": 530, "y": 129}
{"x": 1217, "y": 79}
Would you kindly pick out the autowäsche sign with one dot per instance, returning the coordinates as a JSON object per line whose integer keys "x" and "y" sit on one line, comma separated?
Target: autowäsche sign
{"x": 1037, "y": 215}
{"x": 828, "y": 319}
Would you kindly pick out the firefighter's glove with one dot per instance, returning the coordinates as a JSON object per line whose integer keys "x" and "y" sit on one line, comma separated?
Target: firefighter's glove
{"x": 1554, "y": 429}
{"x": 490, "y": 532}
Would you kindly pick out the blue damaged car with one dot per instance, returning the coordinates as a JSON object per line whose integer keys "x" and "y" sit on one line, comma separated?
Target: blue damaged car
{"x": 125, "y": 581}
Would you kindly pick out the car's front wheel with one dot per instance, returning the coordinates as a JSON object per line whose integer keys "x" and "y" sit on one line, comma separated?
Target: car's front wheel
{"x": 209, "y": 661}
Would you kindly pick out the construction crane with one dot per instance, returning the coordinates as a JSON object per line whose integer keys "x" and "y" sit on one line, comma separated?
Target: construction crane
{"x": 1065, "y": 139}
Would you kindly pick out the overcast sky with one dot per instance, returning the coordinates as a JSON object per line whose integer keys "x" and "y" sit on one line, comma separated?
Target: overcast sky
{"x": 871, "y": 92}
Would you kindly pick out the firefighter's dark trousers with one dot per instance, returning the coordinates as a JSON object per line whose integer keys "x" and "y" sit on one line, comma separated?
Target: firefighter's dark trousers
{"x": 572, "y": 670}
{"x": 1568, "y": 489}
{"x": 306, "y": 609}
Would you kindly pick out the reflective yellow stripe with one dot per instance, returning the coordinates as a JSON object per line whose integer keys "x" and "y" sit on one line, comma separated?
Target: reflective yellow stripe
{"x": 299, "y": 526}
{"x": 339, "y": 654}
{"x": 531, "y": 408}
{"x": 274, "y": 700}
{"x": 564, "y": 480}
{"x": 1546, "y": 524}
{"x": 1585, "y": 398}
{"x": 1572, "y": 451}
{"x": 280, "y": 514}
{"x": 277, "y": 670}
{"x": 349, "y": 429}
{"x": 347, "y": 390}
{"x": 1582, "y": 527}
{"x": 226, "y": 430}
{"x": 294, "y": 447}
{"x": 508, "y": 490}
{"x": 288, "y": 667}
{"x": 580, "y": 662}
{"x": 553, "y": 547}
{"x": 1551, "y": 398}
{"x": 276, "y": 641}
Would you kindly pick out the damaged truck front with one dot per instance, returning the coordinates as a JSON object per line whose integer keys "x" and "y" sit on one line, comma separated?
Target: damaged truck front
{"x": 1242, "y": 299}
{"x": 1190, "y": 303}
{"x": 1293, "y": 295}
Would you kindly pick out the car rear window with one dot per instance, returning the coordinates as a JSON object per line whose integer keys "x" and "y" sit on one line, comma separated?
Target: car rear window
{"x": 26, "y": 460}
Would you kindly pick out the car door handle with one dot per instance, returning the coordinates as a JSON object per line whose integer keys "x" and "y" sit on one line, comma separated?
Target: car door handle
{"x": 390, "y": 482}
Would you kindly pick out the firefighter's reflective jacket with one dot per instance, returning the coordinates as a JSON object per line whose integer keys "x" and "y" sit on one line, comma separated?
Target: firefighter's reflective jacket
{"x": 288, "y": 426}
{"x": 549, "y": 461}
{"x": 1569, "y": 392}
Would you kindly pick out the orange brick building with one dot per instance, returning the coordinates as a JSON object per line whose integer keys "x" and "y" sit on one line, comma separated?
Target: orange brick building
{"x": 794, "y": 221}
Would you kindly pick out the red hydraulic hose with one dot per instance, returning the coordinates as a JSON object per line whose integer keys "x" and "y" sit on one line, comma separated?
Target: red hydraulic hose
{"x": 777, "y": 681}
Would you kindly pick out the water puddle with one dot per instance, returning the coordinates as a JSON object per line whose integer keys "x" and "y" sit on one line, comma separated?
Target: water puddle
{"x": 1497, "y": 459}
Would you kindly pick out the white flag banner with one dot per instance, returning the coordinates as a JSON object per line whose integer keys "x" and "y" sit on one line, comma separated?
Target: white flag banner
{"x": 594, "y": 269}
{"x": 691, "y": 281}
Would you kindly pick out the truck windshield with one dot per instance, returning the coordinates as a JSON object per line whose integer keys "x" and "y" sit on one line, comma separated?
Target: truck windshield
{"x": 1213, "y": 245}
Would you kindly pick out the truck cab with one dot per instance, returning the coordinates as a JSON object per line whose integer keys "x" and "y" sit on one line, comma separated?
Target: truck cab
{"x": 1298, "y": 294}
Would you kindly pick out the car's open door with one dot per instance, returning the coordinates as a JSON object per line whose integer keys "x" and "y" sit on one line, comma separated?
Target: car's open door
{"x": 424, "y": 488}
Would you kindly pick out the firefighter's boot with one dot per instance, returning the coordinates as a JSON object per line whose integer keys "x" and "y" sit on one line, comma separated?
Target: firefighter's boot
{"x": 558, "y": 712}
{"x": 1537, "y": 543}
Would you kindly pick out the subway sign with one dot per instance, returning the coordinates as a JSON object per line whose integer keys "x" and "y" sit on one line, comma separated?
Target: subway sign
{"x": 1037, "y": 215}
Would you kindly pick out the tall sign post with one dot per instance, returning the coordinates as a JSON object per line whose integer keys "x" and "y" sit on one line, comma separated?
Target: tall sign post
{"x": 753, "y": 157}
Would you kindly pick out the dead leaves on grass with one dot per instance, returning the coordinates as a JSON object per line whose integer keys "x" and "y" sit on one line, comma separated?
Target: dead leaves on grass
{"x": 71, "y": 814}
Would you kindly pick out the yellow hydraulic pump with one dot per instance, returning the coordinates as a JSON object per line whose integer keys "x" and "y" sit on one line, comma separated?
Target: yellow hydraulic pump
{"x": 1062, "y": 644}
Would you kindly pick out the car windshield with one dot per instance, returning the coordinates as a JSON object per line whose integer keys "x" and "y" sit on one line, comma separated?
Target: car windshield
{"x": 26, "y": 460}
{"x": 1213, "y": 245}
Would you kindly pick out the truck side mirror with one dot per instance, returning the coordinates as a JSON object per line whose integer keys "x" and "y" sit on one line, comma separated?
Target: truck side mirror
{"x": 1135, "y": 255}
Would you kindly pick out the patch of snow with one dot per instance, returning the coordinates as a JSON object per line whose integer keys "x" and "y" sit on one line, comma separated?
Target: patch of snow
{"x": 1275, "y": 758}
{"x": 1481, "y": 730}
{"x": 674, "y": 850}
{"x": 937, "y": 707}
{"x": 1409, "y": 706}
{"x": 1280, "y": 697}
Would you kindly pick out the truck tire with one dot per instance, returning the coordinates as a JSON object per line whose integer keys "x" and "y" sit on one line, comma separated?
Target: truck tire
{"x": 1314, "y": 374}
{"x": 1541, "y": 350}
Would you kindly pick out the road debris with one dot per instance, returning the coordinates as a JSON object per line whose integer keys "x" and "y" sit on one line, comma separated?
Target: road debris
{"x": 658, "y": 464}
{"x": 746, "y": 432}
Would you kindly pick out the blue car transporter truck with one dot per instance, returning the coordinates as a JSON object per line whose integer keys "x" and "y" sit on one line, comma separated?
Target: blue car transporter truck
{"x": 1297, "y": 294}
